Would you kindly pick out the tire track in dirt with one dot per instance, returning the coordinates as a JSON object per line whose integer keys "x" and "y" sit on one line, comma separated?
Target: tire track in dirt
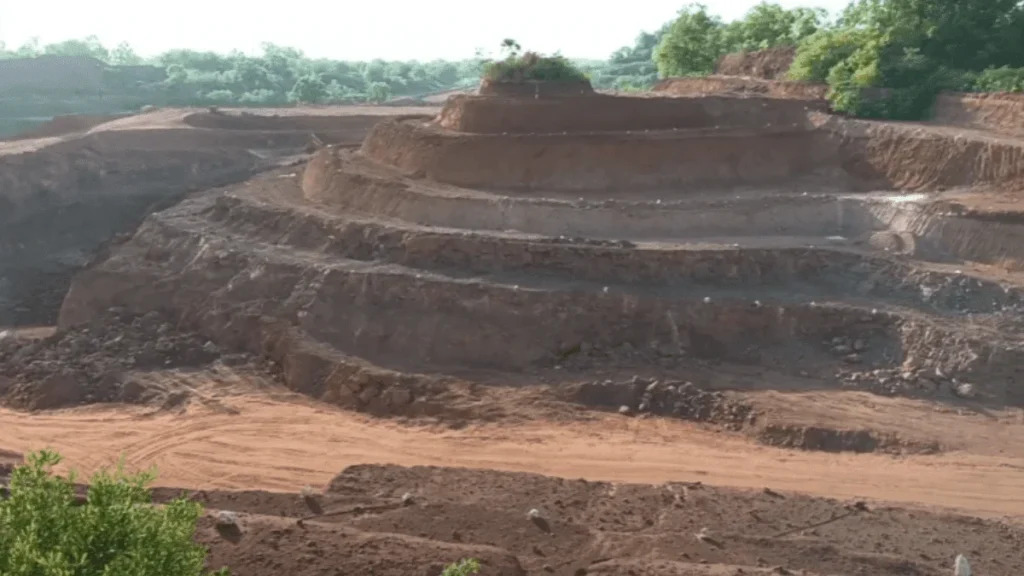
{"x": 277, "y": 445}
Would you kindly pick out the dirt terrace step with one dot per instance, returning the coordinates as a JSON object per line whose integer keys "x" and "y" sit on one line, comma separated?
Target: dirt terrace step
{"x": 749, "y": 267}
{"x": 348, "y": 182}
{"x": 419, "y": 320}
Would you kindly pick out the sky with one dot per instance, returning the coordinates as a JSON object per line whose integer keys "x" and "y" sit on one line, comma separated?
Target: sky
{"x": 357, "y": 29}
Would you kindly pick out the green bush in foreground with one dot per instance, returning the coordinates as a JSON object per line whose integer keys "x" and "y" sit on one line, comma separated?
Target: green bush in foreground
{"x": 44, "y": 531}
{"x": 463, "y": 567}
{"x": 530, "y": 66}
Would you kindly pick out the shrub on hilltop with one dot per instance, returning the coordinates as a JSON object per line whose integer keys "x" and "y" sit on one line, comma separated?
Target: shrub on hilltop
{"x": 45, "y": 530}
{"x": 518, "y": 66}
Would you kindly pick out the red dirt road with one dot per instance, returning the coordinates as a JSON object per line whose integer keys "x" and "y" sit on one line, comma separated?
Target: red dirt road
{"x": 256, "y": 442}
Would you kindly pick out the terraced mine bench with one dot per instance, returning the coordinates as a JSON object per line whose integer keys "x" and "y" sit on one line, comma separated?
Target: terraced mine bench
{"x": 580, "y": 238}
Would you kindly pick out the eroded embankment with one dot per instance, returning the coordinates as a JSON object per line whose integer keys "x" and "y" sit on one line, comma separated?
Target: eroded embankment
{"x": 62, "y": 203}
{"x": 814, "y": 94}
{"x": 995, "y": 112}
{"x": 599, "y": 161}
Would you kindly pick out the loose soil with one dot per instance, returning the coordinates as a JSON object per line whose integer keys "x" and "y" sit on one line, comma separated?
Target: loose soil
{"x": 803, "y": 304}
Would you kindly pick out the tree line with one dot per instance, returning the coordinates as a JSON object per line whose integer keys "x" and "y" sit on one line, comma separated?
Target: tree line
{"x": 910, "y": 49}
{"x": 880, "y": 58}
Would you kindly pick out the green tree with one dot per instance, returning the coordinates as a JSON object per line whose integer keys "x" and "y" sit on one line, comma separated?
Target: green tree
{"x": 378, "y": 92}
{"x": 89, "y": 46}
{"x": 309, "y": 89}
{"x": 124, "y": 55}
{"x": 45, "y": 531}
{"x": 913, "y": 49}
{"x": 692, "y": 44}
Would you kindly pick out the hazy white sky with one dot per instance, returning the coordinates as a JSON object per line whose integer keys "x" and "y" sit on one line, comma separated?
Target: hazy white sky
{"x": 357, "y": 29}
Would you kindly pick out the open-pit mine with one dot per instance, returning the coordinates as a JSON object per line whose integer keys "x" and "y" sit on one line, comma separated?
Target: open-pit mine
{"x": 708, "y": 330}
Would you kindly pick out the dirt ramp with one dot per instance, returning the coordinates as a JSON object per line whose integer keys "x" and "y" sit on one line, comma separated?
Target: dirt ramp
{"x": 603, "y": 113}
{"x": 313, "y": 123}
{"x": 65, "y": 125}
{"x": 770, "y": 64}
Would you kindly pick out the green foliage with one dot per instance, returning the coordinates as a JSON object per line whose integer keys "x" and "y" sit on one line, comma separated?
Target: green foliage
{"x": 910, "y": 50}
{"x": 695, "y": 40}
{"x": 45, "y": 532}
{"x": 692, "y": 44}
{"x": 1002, "y": 79}
{"x": 770, "y": 25}
{"x": 530, "y": 66}
{"x": 463, "y": 567}
{"x": 309, "y": 89}
{"x": 822, "y": 51}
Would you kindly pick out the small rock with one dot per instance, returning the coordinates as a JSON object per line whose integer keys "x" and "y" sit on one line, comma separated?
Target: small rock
{"x": 227, "y": 518}
{"x": 407, "y": 499}
{"x": 399, "y": 396}
{"x": 625, "y": 410}
{"x": 965, "y": 390}
{"x": 961, "y": 567}
{"x": 534, "y": 514}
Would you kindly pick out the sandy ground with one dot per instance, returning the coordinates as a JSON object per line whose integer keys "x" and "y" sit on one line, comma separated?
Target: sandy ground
{"x": 259, "y": 441}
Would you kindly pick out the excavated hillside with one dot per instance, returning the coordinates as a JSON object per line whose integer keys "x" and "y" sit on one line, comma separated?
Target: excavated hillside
{"x": 70, "y": 186}
{"x": 560, "y": 236}
{"x": 742, "y": 260}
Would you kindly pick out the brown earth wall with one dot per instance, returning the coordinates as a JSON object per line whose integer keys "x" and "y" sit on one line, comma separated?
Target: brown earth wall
{"x": 909, "y": 157}
{"x": 603, "y": 113}
{"x": 770, "y": 64}
{"x": 414, "y": 319}
{"x": 843, "y": 154}
{"x": 996, "y": 112}
{"x": 705, "y": 85}
{"x": 246, "y": 294}
{"x": 599, "y": 161}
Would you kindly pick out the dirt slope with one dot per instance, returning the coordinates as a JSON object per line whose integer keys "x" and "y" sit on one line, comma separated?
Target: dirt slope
{"x": 93, "y": 178}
